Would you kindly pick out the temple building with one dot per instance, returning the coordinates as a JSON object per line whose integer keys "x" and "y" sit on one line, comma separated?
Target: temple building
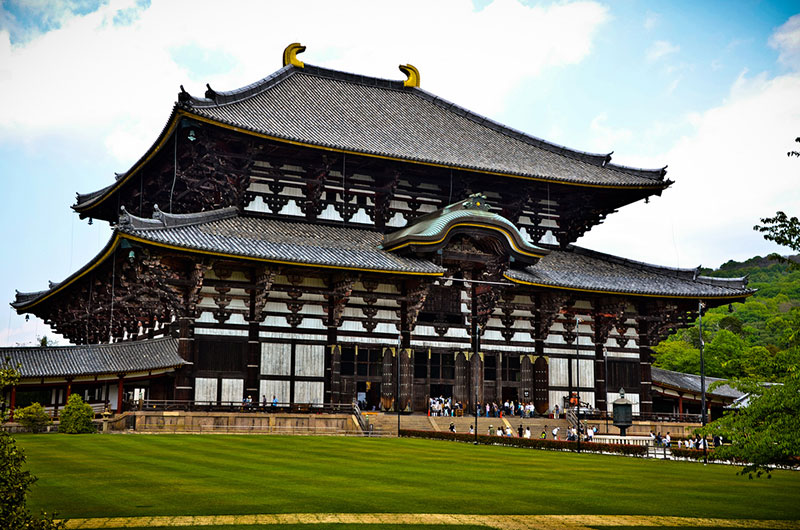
{"x": 323, "y": 237}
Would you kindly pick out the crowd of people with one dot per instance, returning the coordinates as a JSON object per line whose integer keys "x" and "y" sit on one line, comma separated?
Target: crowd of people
{"x": 506, "y": 408}
{"x": 442, "y": 406}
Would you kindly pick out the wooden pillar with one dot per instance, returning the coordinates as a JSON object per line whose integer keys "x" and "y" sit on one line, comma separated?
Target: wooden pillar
{"x": 526, "y": 379}
{"x": 405, "y": 366}
{"x": 405, "y": 356}
{"x": 680, "y": 404}
{"x": 600, "y": 382}
{"x": 476, "y": 382}
{"x": 387, "y": 378}
{"x": 461, "y": 388}
{"x": 12, "y": 403}
{"x": 120, "y": 392}
{"x": 645, "y": 360}
{"x": 184, "y": 377}
{"x": 69, "y": 390}
{"x": 253, "y": 354}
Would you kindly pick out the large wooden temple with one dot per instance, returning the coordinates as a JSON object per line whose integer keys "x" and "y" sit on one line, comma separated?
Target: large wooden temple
{"x": 321, "y": 236}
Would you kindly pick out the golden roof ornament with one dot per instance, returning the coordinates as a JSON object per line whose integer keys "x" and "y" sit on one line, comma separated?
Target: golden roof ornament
{"x": 290, "y": 55}
{"x": 412, "y": 73}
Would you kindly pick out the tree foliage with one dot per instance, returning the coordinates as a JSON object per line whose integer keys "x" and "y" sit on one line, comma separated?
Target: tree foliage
{"x": 33, "y": 417}
{"x": 764, "y": 433}
{"x": 758, "y": 339}
{"x": 76, "y": 418}
{"x": 14, "y": 481}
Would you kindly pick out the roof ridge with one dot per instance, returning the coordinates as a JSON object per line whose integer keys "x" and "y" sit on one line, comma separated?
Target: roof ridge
{"x": 121, "y": 344}
{"x": 163, "y": 219}
{"x": 219, "y": 98}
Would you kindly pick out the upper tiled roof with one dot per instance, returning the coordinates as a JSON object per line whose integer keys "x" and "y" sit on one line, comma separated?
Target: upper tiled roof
{"x": 691, "y": 382}
{"x": 119, "y": 358}
{"x": 224, "y": 232}
{"x": 582, "y": 269}
{"x": 331, "y": 109}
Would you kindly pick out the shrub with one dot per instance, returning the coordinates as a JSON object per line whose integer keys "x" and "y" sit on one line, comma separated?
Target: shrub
{"x": 536, "y": 443}
{"x": 76, "y": 418}
{"x": 33, "y": 417}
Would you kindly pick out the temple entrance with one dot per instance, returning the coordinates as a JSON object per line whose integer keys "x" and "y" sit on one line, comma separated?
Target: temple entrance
{"x": 444, "y": 391}
{"x": 368, "y": 395}
{"x": 510, "y": 393}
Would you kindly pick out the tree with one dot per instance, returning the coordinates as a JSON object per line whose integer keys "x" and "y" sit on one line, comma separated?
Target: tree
{"x": 15, "y": 483}
{"x": 76, "y": 418}
{"x": 782, "y": 229}
{"x": 33, "y": 417}
{"x": 762, "y": 434}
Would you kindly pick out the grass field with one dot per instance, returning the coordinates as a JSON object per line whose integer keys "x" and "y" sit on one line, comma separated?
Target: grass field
{"x": 84, "y": 476}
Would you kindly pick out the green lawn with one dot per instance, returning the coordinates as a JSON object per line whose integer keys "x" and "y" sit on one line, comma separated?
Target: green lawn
{"x": 137, "y": 475}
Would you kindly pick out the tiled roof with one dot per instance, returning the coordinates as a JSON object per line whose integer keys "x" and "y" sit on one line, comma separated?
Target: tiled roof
{"x": 331, "y": 109}
{"x": 578, "y": 268}
{"x": 691, "y": 382}
{"x": 122, "y": 357}
{"x": 224, "y": 232}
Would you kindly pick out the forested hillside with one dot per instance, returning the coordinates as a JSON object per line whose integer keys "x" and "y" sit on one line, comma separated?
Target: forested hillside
{"x": 759, "y": 338}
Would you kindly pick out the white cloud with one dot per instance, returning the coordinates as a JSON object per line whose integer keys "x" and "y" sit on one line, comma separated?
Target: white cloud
{"x": 120, "y": 80}
{"x": 786, "y": 39}
{"x": 731, "y": 170}
{"x": 605, "y": 137}
{"x": 651, "y": 20}
{"x": 661, "y": 48}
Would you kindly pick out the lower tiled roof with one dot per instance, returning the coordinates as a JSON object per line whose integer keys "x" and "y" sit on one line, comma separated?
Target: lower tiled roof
{"x": 691, "y": 383}
{"x": 94, "y": 359}
{"x": 580, "y": 269}
{"x": 273, "y": 240}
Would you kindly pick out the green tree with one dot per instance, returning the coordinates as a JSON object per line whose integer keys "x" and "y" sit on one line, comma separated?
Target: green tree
{"x": 764, "y": 433}
{"x": 33, "y": 417}
{"x": 76, "y": 418}
{"x": 15, "y": 483}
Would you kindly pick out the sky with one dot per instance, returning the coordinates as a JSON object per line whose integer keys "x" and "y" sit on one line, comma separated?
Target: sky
{"x": 709, "y": 89}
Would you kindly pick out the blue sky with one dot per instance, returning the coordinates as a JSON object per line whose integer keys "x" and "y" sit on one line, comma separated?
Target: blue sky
{"x": 710, "y": 89}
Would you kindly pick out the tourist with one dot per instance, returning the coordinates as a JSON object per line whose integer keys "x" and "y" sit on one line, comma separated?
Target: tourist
{"x": 667, "y": 440}
{"x": 528, "y": 432}
{"x": 555, "y": 412}
{"x": 491, "y": 430}
{"x": 472, "y": 429}
{"x": 543, "y": 436}
{"x": 555, "y": 433}
{"x": 589, "y": 435}
{"x": 520, "y": 430}
{"x": 452, "y": 427}
{"x": 274, "y": 401}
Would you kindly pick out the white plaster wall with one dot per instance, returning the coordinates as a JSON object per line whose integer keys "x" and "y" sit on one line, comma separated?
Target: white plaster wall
{"x": 276, "y": 359}
{"x": 309, "y": 361}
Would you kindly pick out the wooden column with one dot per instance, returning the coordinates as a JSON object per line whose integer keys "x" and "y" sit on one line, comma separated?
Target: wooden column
{"x": 184, "y": 377}
{"x": 646, "y": 334}
{"x": 69, "y": 390}
{"x": 680, "y": 404}
{"x": 405, "y": 356}
{"x": 461, "y": 388}
{"x": 253, "y": 350}
{"x": 526, "y": 379}
{"x": 387, "y": 378}
{"x": 333, "y": 373}
{"x": 476, "y": 381}
{"x": 405, "y": 367}
{"x": 120, "y": 393}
